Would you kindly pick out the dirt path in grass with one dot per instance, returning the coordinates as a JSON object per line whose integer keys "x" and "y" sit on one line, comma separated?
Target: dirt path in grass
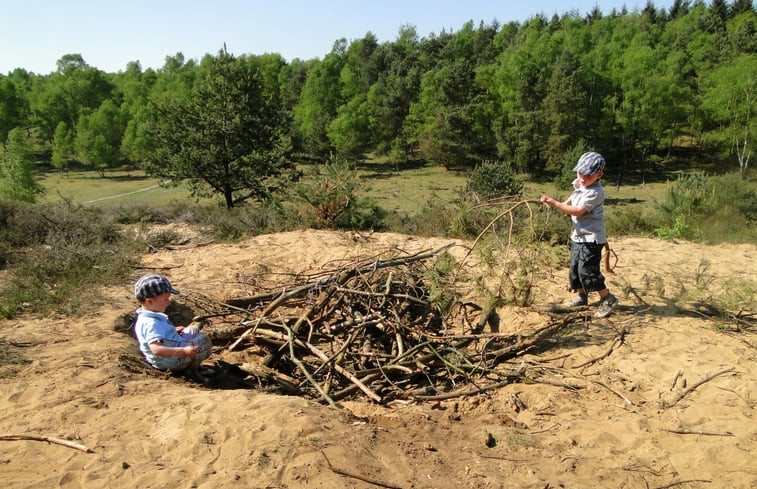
{"x": 632, "y": 422}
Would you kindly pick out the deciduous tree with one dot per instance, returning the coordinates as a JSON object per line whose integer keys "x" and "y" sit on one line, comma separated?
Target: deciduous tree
{"x": 17, "y": 169}
{"x": 729, "y": 97}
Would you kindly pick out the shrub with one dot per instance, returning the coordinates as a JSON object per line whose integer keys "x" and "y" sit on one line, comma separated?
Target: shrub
{"x": 494, "y": 179}
{"x": 163, "y": 237}
{"x": 139, "y": 213}
{"x": 632, "y": 220}
{"x": 334, "y": 199}
{"x": 690, "y": 195}
{"x": 61, "y": 253}
{"x": 733, "y": 192}
{"x": 713, "y": 209}
{"x": 233, "y": 224}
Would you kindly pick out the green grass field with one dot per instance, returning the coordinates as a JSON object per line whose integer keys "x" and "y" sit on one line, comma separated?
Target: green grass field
{"x": 405, "y": 191}
{"x": 116, "y": 187}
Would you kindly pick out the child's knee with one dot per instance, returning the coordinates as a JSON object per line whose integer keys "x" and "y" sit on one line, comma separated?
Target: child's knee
{"x": 204, "y": 346}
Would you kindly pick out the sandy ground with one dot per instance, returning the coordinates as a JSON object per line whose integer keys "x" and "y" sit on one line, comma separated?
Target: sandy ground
{"x": 617, "y": 431}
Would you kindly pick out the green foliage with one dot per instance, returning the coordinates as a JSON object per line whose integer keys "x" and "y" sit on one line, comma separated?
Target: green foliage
{"x": 629, "y": 220}
{"x": 319, "y": 101}
{"x": 494, "y": 179}
{"x": 63, "y": 146}
{"x": 250, "y": 219}
{"x": 335, "y": 199}
{"x": 709, "y": 208}
{"x": 469, "y": 219}
{"x": 75, "y": 89}
{"x": 68, "y": 252}
{"x": 225, "y": 139}
{"x": 433, "y": 219}
{"x": 632, "y": 85}
{"x": 734, "y": 193}
{"x": 440, "y": 278}
{"x": 690, "y": 195}
{"x": 17, "y": 169}
{"x": 98, "y": 137}
{"x": 136, "y": 144}
{"x": 564, "y": 180}
{"x": 730, "y": 99}
{"x": 678, "y": 230}
{"x": 510, "y": 220}
{"x": 11, "y": 106}
{"x": 350, "y": 131}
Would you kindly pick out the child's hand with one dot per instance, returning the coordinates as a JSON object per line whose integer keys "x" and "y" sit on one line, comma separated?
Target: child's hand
{"x": 190, "y": 351}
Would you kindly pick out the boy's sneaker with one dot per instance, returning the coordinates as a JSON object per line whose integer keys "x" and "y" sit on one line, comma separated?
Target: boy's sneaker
{"x": 577, "y": 301}
{"x": 606, "y": 306}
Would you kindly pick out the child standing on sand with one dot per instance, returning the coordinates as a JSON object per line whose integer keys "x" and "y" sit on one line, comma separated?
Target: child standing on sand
{"x": 585, "y": 206}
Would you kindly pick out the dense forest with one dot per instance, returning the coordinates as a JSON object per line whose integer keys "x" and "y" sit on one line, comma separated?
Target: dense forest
{"x": 636, "y": 85}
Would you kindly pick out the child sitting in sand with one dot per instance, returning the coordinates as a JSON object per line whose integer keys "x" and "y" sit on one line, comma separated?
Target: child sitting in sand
{"x": 165, "y": 346}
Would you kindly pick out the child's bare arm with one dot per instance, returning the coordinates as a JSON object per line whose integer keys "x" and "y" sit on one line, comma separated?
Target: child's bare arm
{"x": 567, "y": 207}
{"x": 173, "y": 351}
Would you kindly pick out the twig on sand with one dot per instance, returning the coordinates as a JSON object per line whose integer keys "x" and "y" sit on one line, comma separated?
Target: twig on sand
{"x": 603, "y": 384}
{"x": 703, "y": 433}
{"x": 680, "y": 483}
{"x": 694, "y": 386}
{"x": 675, "y": 379}
{"x": 618, "y": 340}
{"x": 358, "y": 476}
{"x": 49, "y": 439}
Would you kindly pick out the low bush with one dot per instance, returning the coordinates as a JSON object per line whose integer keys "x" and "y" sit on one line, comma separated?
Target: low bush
{"x": 494, "y": 179}
{"x": 712, "y": 209}
{"x": 60, "y": 254}
{"x": 335, "y": 198}
{"x": 140, "y": 213}
{"x": 629, "y": 220}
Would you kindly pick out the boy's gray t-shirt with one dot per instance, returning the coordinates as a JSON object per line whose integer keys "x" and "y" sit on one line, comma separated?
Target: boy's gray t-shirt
{"x": 590, "y": 227}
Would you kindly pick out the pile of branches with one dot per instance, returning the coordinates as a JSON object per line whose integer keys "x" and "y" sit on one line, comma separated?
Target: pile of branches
{"x": 391, "y": 330}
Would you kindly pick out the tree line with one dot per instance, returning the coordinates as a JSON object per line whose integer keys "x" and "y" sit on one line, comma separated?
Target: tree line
{"x": 632, "y": 85}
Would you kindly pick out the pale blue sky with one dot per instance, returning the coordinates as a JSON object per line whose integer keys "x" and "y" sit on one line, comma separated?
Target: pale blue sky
{"x": 34, "y": 34}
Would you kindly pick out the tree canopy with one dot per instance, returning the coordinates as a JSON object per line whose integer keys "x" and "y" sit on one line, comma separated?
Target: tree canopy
{"x": 634, "y": 85}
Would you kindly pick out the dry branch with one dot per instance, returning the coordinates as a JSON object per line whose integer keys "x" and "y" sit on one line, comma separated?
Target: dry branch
{"x": 524, "y": 343}
{"x": 363, "y": 478}
{"x": 703, "y": 433}
{"x": 338, "y": 278}
{"x": 618, "y": 340}
{"x": 48, "y": 439}
{"x": 606, "y": 386}
{"x": 304, "y": 370}
{"x": 693, "y": 387}
{"x": 680, "y": 483}
{"x": 390, "y": 329}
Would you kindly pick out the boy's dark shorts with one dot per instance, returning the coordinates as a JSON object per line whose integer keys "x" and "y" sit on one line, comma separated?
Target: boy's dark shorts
{"x": 584, "y": 272}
